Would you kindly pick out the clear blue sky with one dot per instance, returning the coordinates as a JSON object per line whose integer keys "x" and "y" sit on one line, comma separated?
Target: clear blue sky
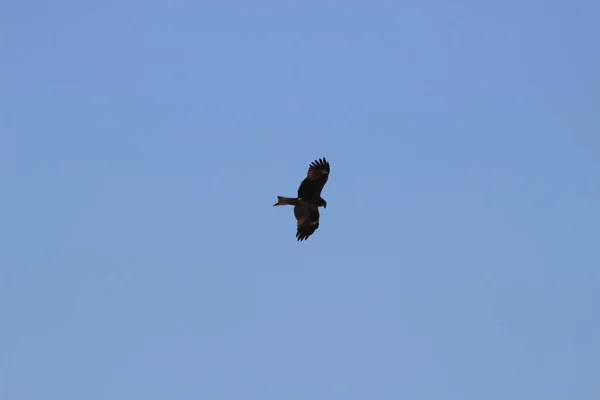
{"x": 143, "y": 144}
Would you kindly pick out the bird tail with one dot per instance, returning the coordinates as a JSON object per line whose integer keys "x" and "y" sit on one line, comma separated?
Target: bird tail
{"x": 282, "y": 201}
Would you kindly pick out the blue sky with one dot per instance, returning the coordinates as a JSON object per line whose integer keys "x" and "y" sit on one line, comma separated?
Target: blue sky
{"x": 143, "y": 144}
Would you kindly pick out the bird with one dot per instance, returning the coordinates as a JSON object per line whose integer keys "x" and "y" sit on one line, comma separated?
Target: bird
{"x": 307, "y": 203}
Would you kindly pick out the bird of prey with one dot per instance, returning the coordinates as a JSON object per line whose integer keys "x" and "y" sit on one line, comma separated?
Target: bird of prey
{"x": 306, "y": 205}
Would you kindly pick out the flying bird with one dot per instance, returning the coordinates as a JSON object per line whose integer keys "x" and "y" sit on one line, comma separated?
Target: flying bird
{"x": 306, "y": 205}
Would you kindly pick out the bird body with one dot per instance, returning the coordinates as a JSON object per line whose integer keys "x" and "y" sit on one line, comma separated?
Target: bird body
{"x": 306, "y": 205}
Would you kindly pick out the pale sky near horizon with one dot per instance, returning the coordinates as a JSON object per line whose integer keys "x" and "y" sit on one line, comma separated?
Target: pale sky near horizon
{"x": 143, "y": 143}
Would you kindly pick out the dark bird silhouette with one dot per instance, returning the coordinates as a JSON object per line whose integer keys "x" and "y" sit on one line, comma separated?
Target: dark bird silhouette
{"x": 306, "y": 205}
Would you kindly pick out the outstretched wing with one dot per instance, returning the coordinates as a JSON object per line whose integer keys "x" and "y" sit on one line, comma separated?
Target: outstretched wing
{"x": 316, "y": 177}
{"x": 307, "y": 216}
